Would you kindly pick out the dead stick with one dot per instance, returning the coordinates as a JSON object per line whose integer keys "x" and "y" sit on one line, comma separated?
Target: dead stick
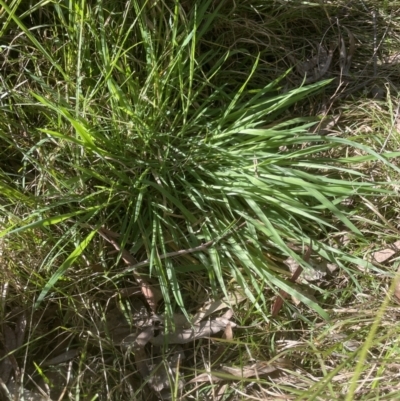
{"x": 199, "y": 248}
{"x": 170, "y": 255}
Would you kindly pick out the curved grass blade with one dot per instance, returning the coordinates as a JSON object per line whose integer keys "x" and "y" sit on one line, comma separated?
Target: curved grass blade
{"x": 64, "y": 267}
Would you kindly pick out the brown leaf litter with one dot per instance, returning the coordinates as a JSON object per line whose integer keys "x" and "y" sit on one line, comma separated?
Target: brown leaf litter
{"x": 282, "y": 293}
{"x": 161, "y": 371}
{"x": 12, "y": 338}
{"x": 384, "y": 255}
{"x": 151, "y": 293}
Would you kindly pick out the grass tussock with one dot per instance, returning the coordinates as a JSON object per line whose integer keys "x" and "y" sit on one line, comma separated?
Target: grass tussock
{"x": 213, "y": 141}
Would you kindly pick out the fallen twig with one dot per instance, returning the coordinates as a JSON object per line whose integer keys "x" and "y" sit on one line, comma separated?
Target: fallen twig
{"x": 146, "y": 262}
{"x": 181, "y": 252}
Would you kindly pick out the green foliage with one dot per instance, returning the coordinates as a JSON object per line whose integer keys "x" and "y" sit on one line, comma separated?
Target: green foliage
{"x": 177, "y": 125}
{"x": 139, "y": 130}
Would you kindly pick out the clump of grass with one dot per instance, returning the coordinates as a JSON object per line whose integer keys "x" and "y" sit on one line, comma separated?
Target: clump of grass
{"x": 159, "y": 122}
{"x": 146, "y": 138}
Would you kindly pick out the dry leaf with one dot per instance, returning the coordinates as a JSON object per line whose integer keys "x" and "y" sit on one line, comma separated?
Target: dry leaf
{"x": 283, "y": 294}
{"x": 221, "y": 348}
{"x": 119, "y": 324}
{"x": 384, "y": 255}
{"x": 152, "y": 294}
{"x": 326, "y": 125}
{"x": 180, "y": 321}
{"x": 351, "y": 345}
{"x": 203, "y": 330}
{"x": 164, "y": 371}
{"x": 228, "y": 314}
{"x": 220, "y": 392}
{"x": 228, "y": 333}
{"x": 138, "y": 345}
{"x": 180, "y": 336}
{"x": 307, "y": 292}
{"x": 319, "y": 271}
{"x": 204, "y": 377}
{"x": 144, "y": 337}
{"x": 392, "y": 59}
{"x": 160, "y": 372}
{"x": 161, "y": 375}
{"x": 215, "y": 306}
